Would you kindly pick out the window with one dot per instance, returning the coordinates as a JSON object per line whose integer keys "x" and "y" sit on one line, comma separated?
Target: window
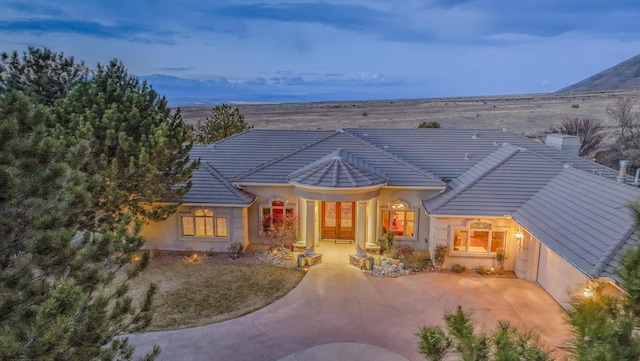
{"x": 478, "y": 237}
{"x": 272, "y": 215}
{"x": 203, "y": 224}
{"x": 399, "y": 219}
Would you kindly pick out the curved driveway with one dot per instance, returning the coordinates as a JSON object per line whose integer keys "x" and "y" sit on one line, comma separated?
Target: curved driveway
{"x": 338, "y": 304}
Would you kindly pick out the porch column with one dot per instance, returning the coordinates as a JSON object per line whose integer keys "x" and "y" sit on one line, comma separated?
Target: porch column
{"x": 309, "y": 231}
{"x": 361, "y": 229}
{"x": 302, "y": 213}
{"x": 372, "y": 206}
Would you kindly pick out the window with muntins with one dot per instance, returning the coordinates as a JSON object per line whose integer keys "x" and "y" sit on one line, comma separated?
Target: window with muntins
{"x": 399, "y": 219}
{"x": 202, "y": 223}
{"x": 478, "y": 237}
{"x": 272, "y": 214}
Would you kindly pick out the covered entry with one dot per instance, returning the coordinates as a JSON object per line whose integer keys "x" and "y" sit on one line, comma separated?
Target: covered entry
{"x": 338, "y": 221}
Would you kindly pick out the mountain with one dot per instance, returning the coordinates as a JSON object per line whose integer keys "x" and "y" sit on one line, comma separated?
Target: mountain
{"x": 625, "y": 75}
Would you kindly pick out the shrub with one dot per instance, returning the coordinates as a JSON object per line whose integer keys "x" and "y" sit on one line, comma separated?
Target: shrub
{"x": 235, "y": 250}
{"x": 405, "y": 251}
{"x": 429, "y": 125}
{"x": 439, "y": 256}
{"x": 458, "y": 268}
{"x": 575, "y": 106}
{"x": 483, "y": 271}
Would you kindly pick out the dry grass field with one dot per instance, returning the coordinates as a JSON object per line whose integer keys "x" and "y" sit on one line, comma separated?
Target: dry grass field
{"x": 523, "y": 114}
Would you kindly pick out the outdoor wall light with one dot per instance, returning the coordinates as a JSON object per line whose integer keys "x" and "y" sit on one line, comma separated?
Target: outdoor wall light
{"x": 587, "y": 292}
{"x": 519, "y": 234}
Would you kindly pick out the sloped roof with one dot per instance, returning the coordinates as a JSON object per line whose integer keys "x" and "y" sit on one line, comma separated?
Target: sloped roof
{"x": 210, "y": 187}
{"x": 447, "y": 153}
{"x": 585, "y": 219}
{"x": 496, "y": 186}
{"x": 339, "y": 169}
{"x": 398, "y": 171}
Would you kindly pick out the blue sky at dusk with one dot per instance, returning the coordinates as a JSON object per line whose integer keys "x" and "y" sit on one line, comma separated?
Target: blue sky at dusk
{"x": 335, "y": 50}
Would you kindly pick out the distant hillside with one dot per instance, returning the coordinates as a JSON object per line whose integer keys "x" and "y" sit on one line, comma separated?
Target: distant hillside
{"x": 623, "y": 76}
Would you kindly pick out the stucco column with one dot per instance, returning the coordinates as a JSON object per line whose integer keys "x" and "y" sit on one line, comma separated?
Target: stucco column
{"x": 302, "y": 214}
{"x": 361, "y": 229}
{"x": 309, "y": 231}
{"x": 372, "y": 205}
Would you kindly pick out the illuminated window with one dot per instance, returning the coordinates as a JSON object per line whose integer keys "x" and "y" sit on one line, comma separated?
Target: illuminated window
{"x": 399, "y": 219}
{"x": 273, "y": 214}
{"x": 203, "y": 224}
{"x": 478, "y": 237}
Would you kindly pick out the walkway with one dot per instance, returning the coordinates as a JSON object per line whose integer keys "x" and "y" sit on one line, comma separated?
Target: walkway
{"x": 338, "y": 310}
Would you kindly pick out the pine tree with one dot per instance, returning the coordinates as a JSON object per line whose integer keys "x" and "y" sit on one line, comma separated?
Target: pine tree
{"x": 222, "y": 123}
{"x": 43, "y": 75}
{"x": 122, "y": 134}
{"x": 74, "y": 199}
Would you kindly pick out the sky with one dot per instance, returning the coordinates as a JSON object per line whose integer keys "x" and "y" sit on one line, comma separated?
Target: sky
{"x": 275, "y": 51}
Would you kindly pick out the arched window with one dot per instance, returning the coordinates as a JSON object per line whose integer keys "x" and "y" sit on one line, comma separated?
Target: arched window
{"x": 202, "y": 223}
{"x": 399, "y": 219}
{"x": 478, "y": 237}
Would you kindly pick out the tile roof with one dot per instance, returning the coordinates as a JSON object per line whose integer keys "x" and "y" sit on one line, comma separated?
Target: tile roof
{"x": 339, "y": 169}
{"x": 585, "y": 219}
{"x": 399, "y": 172}
{"x": 210, "y": 187}
{"x": 496, "y": 186}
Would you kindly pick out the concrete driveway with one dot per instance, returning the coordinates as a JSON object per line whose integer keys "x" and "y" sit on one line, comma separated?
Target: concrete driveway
{"x": 338, "y": 312}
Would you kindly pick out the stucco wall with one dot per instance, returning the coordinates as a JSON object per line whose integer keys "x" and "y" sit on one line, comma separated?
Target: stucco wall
{"x": 264, "y": 194}
{"x": 166, "y": 235}
{"x": 442, "y": 234}
{"x": 414, "y": 199}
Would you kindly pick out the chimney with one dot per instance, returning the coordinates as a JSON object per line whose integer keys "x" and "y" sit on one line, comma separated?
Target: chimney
{"x": 623, "y": 170}
{"x": 566, "y": 143}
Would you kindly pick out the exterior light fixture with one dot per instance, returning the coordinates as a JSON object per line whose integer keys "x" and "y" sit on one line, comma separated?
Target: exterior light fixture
{"x": 587, "y": 292}
{"x": 519, "y": 234}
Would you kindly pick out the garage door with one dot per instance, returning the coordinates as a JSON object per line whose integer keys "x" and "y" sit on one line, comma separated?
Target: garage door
{"x": 558, "y": 276}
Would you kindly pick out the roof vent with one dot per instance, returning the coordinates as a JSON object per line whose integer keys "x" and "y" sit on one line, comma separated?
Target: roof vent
{"x": 341, "y": 130}
{"x": 475, "y": 135}
{"x": 623, "y": 170}
{"x": 466, "y": 156}
{"x": 385, "y": 147}
{"x": 495, "y": 143}
{"x": 567, "y": 165}
{"x": 504, "y": 129}
{"x": 365, "y": 134}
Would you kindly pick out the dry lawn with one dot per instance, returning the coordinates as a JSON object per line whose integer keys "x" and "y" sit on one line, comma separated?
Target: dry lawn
{"x": 210, "y": 290}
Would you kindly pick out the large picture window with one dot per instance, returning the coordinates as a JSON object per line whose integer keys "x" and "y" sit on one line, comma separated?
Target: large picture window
{"x": 202, "y": 223}
{"x": 399, "y": 219}
{"x": 272, "y": 214}
{"x": 478, "y": 237}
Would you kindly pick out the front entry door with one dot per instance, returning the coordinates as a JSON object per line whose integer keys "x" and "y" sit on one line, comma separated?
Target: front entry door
{"x": 337, "y": 220}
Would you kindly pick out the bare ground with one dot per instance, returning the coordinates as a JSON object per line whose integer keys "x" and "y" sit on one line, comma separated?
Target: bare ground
{"x": 523, "y": 114}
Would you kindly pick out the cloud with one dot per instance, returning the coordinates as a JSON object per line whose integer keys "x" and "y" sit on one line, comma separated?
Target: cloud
{"x": 174, "y": 69}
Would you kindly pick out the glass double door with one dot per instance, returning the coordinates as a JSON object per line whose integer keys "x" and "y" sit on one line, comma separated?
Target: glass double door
{"x": 338, "y": 220}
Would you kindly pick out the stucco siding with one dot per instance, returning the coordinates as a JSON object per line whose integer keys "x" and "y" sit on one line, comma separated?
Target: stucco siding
{"x": 442, "y": 235}
{"x": 167, "y": 235}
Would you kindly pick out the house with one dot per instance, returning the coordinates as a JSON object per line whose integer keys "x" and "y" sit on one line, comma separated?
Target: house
{"x": 562, "y": 221}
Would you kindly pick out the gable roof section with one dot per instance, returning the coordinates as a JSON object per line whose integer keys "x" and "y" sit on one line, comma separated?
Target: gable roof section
{"x": 497, "y": 186}
{"x": 399, "y": 172}
{"x": 339, "y": 169}
{"x": 210, "y": 187}
{"x": 585, "y": 219}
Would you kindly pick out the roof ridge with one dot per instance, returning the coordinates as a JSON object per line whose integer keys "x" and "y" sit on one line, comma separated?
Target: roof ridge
{"x": 283, "y": 156}
{"x": 612, "y": 250}
{"x": 448, "y": 197}
{"x": 214, "y": 172}
{"x": 393, "y": 156}
{"x": 341, "y": 159}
